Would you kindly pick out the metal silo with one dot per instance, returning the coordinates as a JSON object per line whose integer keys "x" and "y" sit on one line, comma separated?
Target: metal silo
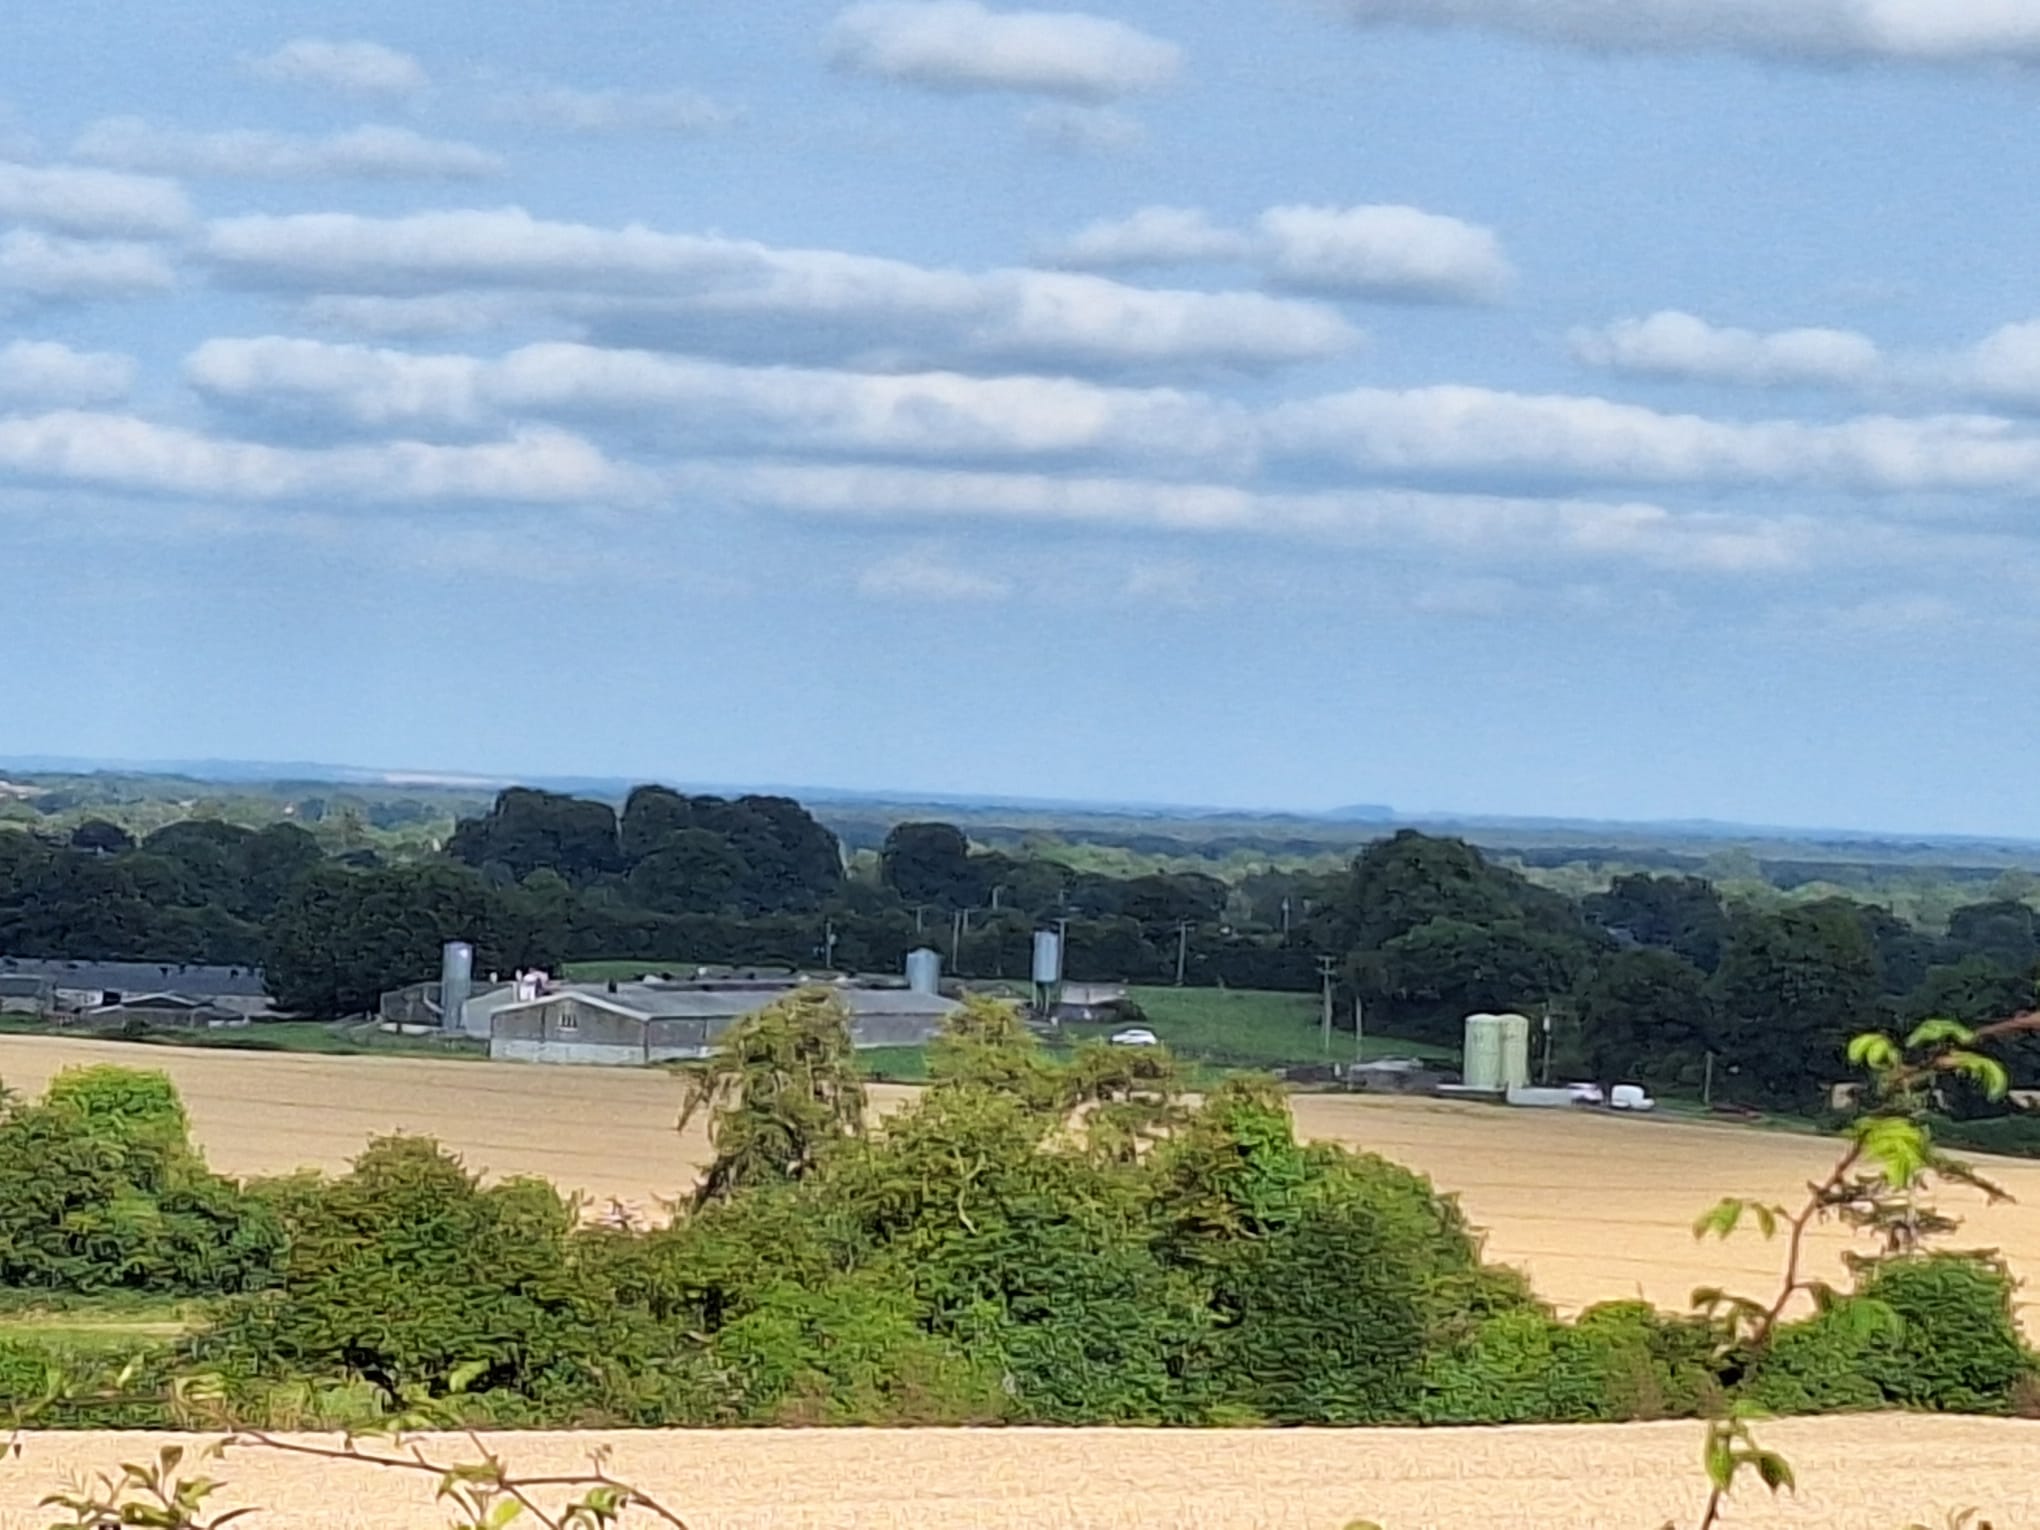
{"x": 1481, "y": 1067}
{"x": 456, "y": 982}
{"x": 924, "y": 971}
{"x": 1515, "y": 1051}
{"x": 1047, "y": 958}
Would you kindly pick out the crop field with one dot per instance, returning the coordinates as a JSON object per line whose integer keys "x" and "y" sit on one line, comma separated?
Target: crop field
{"x": 1596, "y": 1208}
{"x": 1855, "y": 1474}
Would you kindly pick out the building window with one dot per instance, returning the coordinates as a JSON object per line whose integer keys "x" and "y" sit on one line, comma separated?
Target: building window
{"x": 569, "y": 1021}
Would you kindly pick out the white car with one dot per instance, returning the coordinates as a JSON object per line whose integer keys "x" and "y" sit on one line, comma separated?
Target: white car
{"x": 1585, "y": 1094}
{"x": 1136, "y": 1036}
{"x": 1631, "y": 1097}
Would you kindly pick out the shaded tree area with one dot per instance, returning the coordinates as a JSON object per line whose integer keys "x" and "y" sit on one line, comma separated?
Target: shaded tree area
{"x": 1645, "y": 980}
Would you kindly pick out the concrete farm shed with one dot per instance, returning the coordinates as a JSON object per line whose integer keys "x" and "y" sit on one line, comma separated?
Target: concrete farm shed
{"x": 633, "y": 1024}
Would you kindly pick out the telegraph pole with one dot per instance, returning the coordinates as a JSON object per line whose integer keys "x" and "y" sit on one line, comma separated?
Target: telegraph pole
{"x": 1182, "y": 948}
{"x": 1359, "y": 1029}
{"x": 1327, "y": 967}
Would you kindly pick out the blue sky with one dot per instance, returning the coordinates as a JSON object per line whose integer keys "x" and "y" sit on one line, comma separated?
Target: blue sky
{"x": 1612, "y": 407}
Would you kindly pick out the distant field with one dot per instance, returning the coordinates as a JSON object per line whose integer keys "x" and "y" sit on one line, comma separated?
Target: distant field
{"x": 1854, "y": 1473}
{"x": 271, "y": 1036}
{"x": 1596, "y": 1208}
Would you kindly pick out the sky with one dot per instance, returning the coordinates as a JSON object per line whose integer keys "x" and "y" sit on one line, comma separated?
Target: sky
{"x": 1610, "y": 408}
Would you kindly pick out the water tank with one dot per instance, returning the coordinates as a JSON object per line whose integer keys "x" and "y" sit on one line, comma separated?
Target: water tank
{"x": 1515, "y": 1052}
{"x": 924, "y": 971}
{"x": 456, "y": 982}
{"x": 1481, "y": 1067}
{"x": 1047, "y": 958}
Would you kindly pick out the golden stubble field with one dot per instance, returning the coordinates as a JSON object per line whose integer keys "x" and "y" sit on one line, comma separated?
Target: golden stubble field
{"x": 1596, "y": 1208}
{"x": 1856, "y": 1474}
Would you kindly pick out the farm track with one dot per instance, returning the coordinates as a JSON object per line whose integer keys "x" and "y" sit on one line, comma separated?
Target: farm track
{"x": 1596, "y": 1208}
{"x": 1855, "y": 1474}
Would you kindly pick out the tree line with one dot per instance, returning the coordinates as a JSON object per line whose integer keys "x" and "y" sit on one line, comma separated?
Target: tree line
{"x": 1657, "y": 979}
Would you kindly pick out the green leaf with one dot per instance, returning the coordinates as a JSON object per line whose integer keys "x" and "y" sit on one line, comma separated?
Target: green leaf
{"x": 1774, "y": 1471}
{"x": 1873, "y": 1050}
{"x": 1721, "y": 1219}
{"x": 1897, "y": 1146}
{"x": 1929, "y": 1032}
{"x": 1720, "y": 1463}
{"x": 1767, "y": 1220}
{"x": 465, "y": 1375}
{"x": 1987, "y": 1072}
{"x": 506, "y": 1510}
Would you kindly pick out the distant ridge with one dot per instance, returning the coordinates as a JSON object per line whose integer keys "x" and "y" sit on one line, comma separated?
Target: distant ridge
{"x": 271, "y": 773}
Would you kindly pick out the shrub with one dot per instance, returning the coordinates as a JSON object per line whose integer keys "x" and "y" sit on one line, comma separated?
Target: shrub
{"x": 1958, "y": 1349}
{"x": 850, "y": 1352}
{"x": 405, "y": 1271}
{"x": 1621, "y": 1361}
{"x": 29, "y": 1363}
{"x": 100, "y": 1192}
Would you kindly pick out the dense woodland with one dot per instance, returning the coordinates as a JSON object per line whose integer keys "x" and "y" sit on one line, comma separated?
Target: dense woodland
{"x": 1033, "y": 1241}
{"x": 1644, "y": 977}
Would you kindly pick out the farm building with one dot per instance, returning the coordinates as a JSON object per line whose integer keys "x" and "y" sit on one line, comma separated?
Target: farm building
{"x": 1090, "y": 1003}
{"x": 638, "y": 1023}
{"x": 67, "y": 990}
{"x": 163, "y": 1010}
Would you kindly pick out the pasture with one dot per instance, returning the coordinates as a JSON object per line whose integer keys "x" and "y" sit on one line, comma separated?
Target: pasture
{"x": 1855, "y": 1473}
{"x": 1595, "y": 1208}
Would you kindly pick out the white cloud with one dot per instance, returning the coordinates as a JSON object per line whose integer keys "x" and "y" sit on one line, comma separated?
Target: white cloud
{"x": 45, "y": 373}
{"x": 1152, "y": 236}
{"x": 1069, "y": 129}
{"x": 45, "y": 266}
{"x": 926, "y": 574}
{"x": 123, "y": 452}
{"x": 452, "y": 313}
{"x": 1480, "y": 527}
{"x": 616, "y": 111}
{"x": 354, "y": 68}
{"x": 2004, "y": 366}
{"x": 368, "y": 153}
{"x": 1384, "y": 252}
{"x": 1944, "y": 31}
{"x": 702, "y": 292}
{"x": 1388, "y": 252}
{"x": 1674, "y": 344}
{"x": 689, "y": 403}
{"x": 960, "y": 45}
{"x": 1478, "y": 433}
{"x": 74, "y": 199}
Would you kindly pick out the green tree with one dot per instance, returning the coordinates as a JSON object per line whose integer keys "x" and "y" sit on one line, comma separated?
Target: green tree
{"x": 1645, "y": 1016}
{"x": 781, "y": 1093}
{"x": 930, "y": 863}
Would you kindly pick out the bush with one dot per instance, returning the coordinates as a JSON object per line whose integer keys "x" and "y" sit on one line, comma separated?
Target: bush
{"x": 1621, "y": 1361}
{"x": 1959, "y": 1349}
{"x": 28, "y": 1364}
{"x": 101, "y": 1192}
{"x": 850, "y": 1352}
{"x": 405, "y": 1271}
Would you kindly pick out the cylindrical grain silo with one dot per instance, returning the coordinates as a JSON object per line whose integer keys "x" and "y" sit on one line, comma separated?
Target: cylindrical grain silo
{"x": 1481, "y": 1067}
{"x": 1047, "y": 958}
{"x": 1515, "y": 1051}
{"x": 456, "y": 982}
{"x": 924, "y": 971}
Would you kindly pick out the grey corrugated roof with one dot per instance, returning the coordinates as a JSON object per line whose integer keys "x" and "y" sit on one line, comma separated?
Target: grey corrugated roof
{"x": 660, "y": 1001}
{"x": 16, "y": 987}
{"x": 141, "y": 977}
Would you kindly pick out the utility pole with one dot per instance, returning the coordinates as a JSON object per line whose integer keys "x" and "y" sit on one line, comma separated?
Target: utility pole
{"x": 1359, "y": 1029}
{"x": 1707, "y": 1083}
{"x": 1544, "y": 1072}
{"x": 1327, "y": 967}
{"x": 1182, "y": 948}
{"x": 956, "y": 925}
{"x": 1285, "y": 914}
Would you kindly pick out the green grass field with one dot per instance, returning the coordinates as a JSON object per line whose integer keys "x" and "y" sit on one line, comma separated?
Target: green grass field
{"x": 1247, "y": 1028}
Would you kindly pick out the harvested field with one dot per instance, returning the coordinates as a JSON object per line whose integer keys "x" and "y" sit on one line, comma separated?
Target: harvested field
{"x": 1596, "y": 1208}
{"x": 1855, "y": 1474}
